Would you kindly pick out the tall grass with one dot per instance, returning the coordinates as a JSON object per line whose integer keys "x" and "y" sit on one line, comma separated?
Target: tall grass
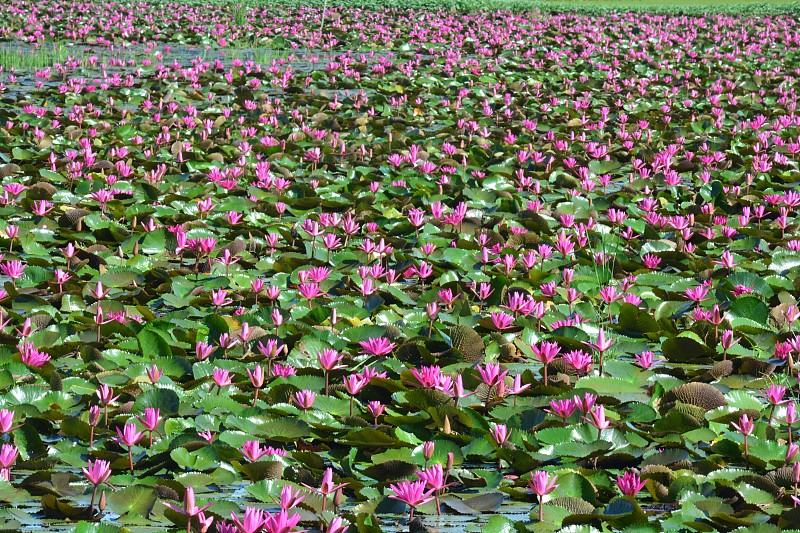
{"x": 24, "y": 58}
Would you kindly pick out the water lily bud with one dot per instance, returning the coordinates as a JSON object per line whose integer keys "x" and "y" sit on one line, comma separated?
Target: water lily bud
{"x": 427, "y": 450}
{"x": 446, "y": 425}
{"x": 338, "y": 497}
{"x": 102, "y": 504}
{"x": 451, "y": 458}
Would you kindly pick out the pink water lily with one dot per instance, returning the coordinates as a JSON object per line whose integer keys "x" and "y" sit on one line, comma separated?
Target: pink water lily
{"x": 541, "y": 484}
{"x": 189, "y": 508}
{"x": 412, "y": 493}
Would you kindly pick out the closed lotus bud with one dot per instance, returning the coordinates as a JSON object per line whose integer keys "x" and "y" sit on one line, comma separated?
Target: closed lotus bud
{"x": 334, "y": 318}
{"x": 451, "y": 458}
{"x": 446, "y": 425}
{"x": 427, "y": 450}
{"x": 338, "y": 497}
{"x": 102, "y": 504}
{"x": 136, "y": 249}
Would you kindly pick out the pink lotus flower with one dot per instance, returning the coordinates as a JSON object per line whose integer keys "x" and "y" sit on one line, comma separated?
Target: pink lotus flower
{"x": 96, "y": 473}
{"x": 189, "y": 508}
{"x": 601, "y": 346}
{"x": 337, "y": 526}
{"x": 412, "y": 493}
{"x": 746, "y": 428}
{"x": 630, "y": 484}
{"x": 280, "y": 522}
{"x": 541, "y": 485}
{"x": 304, "y": 399}
{"x": 329, "y": 360}
{"x": 290, "y": 497}
{"x": 327, "y": 487}
{"x": 377, "y": 346}
{"x": 646, "y": 360}
{"x": 128, "y": 437}
{"x": 491, "y": 374}
{"x": 252, "y": 450}
{"x": 151, "y": 421}
{"x": 562, "y": 408}
{"x": 13, "y": 269}
{"x": 546, "y": 352}
{"x": 500, "y": 433}
{"x": 435, "y": 477}
{"x": 376, "y": 409}
{"x": 8, "y": 455}
{"x": 7, "y": 421}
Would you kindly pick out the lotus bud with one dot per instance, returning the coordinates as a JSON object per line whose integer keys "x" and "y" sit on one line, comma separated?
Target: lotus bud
{"x": 338, "y": 497}
{"x": 451, "y": 458}
{"x": 446, "y": 425}
{"x": 102, "y": 504}
{"x": 427, "y": 450}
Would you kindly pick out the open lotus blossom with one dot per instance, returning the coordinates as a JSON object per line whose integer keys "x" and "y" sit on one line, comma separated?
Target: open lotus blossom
{"x": 377, "y": 346}
{"x": 129, "y": 436}
{"x": 304, "y": 399}
{"x": 327, "y": 487}
{"x": 96, "y": 473}
{"x": 630, "y": 484}
{"x": 412, "y": 493}
{"x": 745, "y": 426}
{"x": 601, "y": 346}
{"x": 541, "y": 484}
{"x": 189, "y": 508}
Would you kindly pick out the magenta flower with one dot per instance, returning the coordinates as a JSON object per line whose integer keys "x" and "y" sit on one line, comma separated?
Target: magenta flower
{"x": 304, "y": 399}
{"x": 546, "y": 352}
{"x": 189, "y": 508}
{"x": 257, "y": 377}
{"x": 327, "y": 487}
{"x": 7, "y": 421}
{"x": 280, "y": 522}
{"x": 290, "y": 497}
{"x": 96, "y": 473}
{"x": 377, "y": 346}
{"x": 31, "y": 356}
{"x": 562, "y": 408}
{"x": 13, "y": 269}
{"x": 491, "y": 374}
{"x": 501, "y": 320}
{"x": 8, "y": 455}
{"x": 597, "y": 418}
{"x": 329, "y": 360}
{"x": 630, "y": 484}
{"x": 251, "y": 522}
{"x": 376, "y": 409}
{"x": 541, "y": 485}
{"x": 253, "y": 451}
{"x": 746, "y": 428}
{"x": 500, "y": 433}
{"x": 646, "y": 360}
{"x": 337, "y": 526}
{"x": 221, "y": 377}
{"x": 435, "y": 478}
{"x": 151, "y": 421}
{"x": 601, "y": 346}
{"x": 412, "y": 493}
{"x": 128, "y": 437}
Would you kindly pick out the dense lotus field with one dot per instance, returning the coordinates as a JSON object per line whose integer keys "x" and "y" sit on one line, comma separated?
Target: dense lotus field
{"x": 424, "y": 270}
